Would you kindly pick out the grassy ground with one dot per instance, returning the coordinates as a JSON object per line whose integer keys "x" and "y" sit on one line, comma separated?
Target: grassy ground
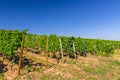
{"x": 85, "y": 68}
{"x": 88, "y": 68}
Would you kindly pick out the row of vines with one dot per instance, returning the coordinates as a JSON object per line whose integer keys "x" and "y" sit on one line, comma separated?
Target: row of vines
{"x": 93, "y": 46}
{"x": 11, "y": 41}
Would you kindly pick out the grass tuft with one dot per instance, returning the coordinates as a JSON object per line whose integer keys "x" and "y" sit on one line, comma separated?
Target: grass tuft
{"x": 116, "y": 62}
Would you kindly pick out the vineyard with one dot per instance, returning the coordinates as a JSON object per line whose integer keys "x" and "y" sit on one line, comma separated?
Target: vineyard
{"x": 81, "y": 45}
{"x": 15, "y": 46}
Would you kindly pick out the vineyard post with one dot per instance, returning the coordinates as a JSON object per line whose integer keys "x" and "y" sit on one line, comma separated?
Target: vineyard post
{"x": 94, "y": 48}
{"x": 61, "y": 47}
{"x": 113, "y": 46}
{"x": 13, "y": 58}
{"x": 47, "y": 52}
{"x": 74, "y": 50}
{"x": 20, "y": 54}
{"x": 33, "y": 41}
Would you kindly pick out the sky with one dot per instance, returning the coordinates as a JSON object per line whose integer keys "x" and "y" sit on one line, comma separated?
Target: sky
{"x": 99, "y": 19}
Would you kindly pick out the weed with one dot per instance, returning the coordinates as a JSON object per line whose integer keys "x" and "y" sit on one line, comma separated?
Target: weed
{"x": 116, "y": 62}
{"x": 71, "y": 61}
{"x": 1, "y": 76}
{"x": 96, "y": 70}
{"x": 100, "y": 71}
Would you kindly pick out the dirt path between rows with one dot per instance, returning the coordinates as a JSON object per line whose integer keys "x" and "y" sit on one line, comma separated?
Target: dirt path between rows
{"x": 53, "y": 61}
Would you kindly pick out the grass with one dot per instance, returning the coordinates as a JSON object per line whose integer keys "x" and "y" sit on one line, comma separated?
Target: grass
{"x": 119, "y": 79}
{"x": 56, "y": 77}
{"x": 101, "y": 71}
{"x": 91, "y": 78}
{"x": 97, "y": 70}
{"x": 1, "y": 76}
{"x": 116, "y": 62}
{"x": 71, "y": 61}
{"x": 89, "y": 68}
{"x": 38, "y": 60}
{"x": 32, "y": 69}
{"x": 50, "y": 77}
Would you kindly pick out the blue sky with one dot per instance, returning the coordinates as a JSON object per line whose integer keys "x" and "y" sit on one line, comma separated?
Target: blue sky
{"x": 84, "y": 18}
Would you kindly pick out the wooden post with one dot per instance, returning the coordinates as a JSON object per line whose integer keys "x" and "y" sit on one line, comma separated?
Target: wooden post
{"x": 74, "y": 50}
{"x": 13, "y": 58}
{"x": 94, "y": 48}
{"x": 113, "y": 46}
{"x": 20, "y": 55}
{"x": 47, "y": 52}
{"x": 61, "y": 47}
